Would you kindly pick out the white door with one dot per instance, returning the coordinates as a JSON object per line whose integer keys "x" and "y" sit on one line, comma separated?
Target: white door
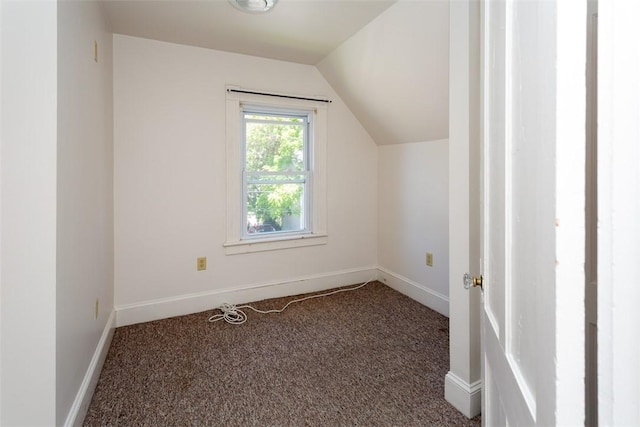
{"x": 526, "y": 215}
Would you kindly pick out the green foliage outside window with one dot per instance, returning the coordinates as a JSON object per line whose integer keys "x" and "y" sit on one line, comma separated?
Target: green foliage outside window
{"x": 273, "y": 144}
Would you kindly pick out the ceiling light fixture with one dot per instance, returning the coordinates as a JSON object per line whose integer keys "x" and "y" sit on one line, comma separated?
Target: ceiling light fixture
{"x": 253, "y": 6}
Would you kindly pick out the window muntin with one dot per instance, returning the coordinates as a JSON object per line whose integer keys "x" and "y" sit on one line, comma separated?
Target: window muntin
{"x": 276, "y": 172}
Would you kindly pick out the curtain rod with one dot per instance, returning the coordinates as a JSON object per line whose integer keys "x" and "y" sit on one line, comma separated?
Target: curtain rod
{"x": 250, "y": 92}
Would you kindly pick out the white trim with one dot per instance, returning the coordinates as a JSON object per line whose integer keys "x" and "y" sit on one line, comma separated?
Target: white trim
{"x": 567, "y": 303}
{"x": 1, "y": 146}
{"x": 180, "y": 305}
{"x": 279, "y": 242}
{"x": 465, "y": 397}
{"x": 425, "y": 296}
{"x": 85, "y": 393}
{"x": 147, "y": 311}
{"x": 308, "y": 116}
{"x": 192, "y": 303}
{"x": 618, "y": 212}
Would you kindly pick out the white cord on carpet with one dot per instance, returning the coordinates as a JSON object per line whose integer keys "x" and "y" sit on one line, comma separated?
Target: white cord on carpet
{"x": 235, "y": 315}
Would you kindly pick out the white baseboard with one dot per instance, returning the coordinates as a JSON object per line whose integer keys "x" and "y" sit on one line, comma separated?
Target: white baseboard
{"x": 465, "y": 397}
{"x": 129, "y": 314}
{"x": 85, "y": 393}
{"x": 432, "y": 299}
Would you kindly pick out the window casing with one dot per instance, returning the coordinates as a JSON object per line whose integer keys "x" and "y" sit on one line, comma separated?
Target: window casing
{"x": 276, "y": 191}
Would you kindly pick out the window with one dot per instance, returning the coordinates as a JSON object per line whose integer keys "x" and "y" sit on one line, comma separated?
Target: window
{"x": 276, "y": 173}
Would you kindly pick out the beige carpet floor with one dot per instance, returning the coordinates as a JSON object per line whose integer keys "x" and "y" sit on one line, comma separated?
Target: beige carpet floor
{"x": 370, "y": 357}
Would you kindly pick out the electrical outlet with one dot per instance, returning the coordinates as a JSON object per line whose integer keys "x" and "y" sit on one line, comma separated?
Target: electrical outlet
{"x": 96, "y": 309}
{"x": 202, "y": 263}
{"x": 429, "y": 259}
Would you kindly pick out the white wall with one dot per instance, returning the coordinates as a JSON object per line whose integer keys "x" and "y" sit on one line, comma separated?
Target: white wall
{"x": 394, "y": 73}
{"x": 28, "y": 213}
{"x": 85, "y": 194}
{"x": 169, "y": 175}
{"x": 413, "y": 215}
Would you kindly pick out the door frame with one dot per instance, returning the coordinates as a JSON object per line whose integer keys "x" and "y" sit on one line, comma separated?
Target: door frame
{"x": 618, "y": 236}
{"x": 566, "y": 310}
{"x": 618, "y": 212}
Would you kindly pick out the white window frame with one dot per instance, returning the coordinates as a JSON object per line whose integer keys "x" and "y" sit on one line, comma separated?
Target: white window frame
{"x": 307, "y": 116}
{"x": 237, "y": 241}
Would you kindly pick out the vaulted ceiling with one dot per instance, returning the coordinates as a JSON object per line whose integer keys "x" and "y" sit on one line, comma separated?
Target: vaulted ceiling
{"x": 387, "y": 59}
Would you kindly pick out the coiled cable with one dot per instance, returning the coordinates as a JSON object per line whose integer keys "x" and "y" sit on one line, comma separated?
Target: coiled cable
{"x": 234, "y": 315}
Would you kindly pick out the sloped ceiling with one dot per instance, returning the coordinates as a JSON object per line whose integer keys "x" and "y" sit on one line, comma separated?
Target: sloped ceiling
{"x": 394, "y": 73}
{"x": 387, "y": 59}
{"x": 302, "y": 31}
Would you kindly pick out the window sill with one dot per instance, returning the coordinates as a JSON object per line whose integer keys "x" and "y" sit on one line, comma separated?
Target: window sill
{"x": 272, "y": 244}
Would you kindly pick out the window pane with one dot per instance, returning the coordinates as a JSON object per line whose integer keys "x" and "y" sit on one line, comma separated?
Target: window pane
{"x": 275, "y": 207}
{"x": 275, "y": 145}
{"x": 273, "y": 118}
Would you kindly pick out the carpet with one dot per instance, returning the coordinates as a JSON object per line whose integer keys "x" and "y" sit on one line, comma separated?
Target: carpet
{"x": 370, "y": 357}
